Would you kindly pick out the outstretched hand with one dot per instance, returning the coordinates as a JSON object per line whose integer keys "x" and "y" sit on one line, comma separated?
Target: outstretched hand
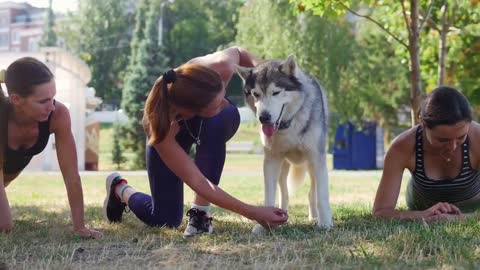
{"x": 88, "y": 233}
{"x": 270, "y": 216}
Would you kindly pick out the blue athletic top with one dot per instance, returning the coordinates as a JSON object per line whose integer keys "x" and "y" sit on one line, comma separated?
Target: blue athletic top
{"x": 16, "y": 160}
{"x": 464, "y": 186}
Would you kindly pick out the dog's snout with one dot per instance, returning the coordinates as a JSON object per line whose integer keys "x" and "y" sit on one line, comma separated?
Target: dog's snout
{"x": 265, "y": 118}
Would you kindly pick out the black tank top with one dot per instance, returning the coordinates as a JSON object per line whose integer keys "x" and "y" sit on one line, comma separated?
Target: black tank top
{"x": 16, "y": 160}
{"x": 463, "y": 187}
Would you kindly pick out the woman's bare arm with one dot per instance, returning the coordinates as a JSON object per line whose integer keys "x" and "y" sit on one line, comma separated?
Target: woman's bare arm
{"x": 6, "y": 222}
{"x": 396, "y": 161}
{"x": 224, "y": 61}
{"x": 183, "y": 166}
{"x": 67, "y": 159}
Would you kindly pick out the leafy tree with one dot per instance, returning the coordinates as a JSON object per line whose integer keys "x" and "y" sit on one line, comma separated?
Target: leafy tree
{"x": 466, "y": 69}
{"x": 117, "y": 153}
{"x": 450, "y": 55}
{"x": 322, "y": 48}
{"x": 449, "y": 20}
{"x": 198, "y": 27}
{"x": 405, "y": 21}
{"x": 190, "y": 28}
{"x": 409, "y": 12}
{"x": 374, "y": 84}
{"x": 100, "y": 33}
{"x": 146, "y": 65}
{"x": 49, "y": 37}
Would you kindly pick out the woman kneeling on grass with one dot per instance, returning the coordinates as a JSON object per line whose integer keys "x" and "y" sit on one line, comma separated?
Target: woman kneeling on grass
{"x": 187, "y": 106}
{"x": 443, "y": 156}
{"x": 27, "y": 118}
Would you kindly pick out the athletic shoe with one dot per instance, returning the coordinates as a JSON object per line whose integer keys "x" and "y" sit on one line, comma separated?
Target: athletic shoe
{"x": 198, "y": 222}
{"x": 113, "y": 207}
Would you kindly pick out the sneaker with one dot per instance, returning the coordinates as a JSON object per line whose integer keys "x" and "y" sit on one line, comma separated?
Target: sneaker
{"x": 198, "y": 222}
{"x": 113, "y": 207}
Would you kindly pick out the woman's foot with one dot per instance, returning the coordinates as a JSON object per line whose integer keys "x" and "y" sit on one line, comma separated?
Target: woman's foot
{"x": 113, "y": 207}
{"x": 198, "y": 222}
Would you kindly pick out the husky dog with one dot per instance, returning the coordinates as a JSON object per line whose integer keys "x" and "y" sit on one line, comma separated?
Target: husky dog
{"x": 292, "y": 109}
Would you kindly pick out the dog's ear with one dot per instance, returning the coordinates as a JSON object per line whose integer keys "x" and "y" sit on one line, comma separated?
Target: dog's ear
{"x": 243, "y": 72}
{"x": 289, "y": 66}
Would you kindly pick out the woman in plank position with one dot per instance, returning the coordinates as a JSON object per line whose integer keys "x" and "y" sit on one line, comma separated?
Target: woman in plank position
{"x": 442, "y": 154}
{"x": 27, "y": 118}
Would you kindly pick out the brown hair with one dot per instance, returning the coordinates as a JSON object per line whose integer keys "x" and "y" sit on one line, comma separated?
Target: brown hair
{"x": 192, "y": 86}
{"x": 20, "y": 78}
{"x": 445, "y": 106}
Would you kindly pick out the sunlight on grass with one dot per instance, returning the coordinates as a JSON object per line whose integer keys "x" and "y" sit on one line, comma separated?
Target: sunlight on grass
{"x": 42, "y": 240}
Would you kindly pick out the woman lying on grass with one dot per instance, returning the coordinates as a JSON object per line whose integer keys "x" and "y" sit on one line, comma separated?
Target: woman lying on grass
{"x": 443, "y": 155}
{"x": 27, "y": 118}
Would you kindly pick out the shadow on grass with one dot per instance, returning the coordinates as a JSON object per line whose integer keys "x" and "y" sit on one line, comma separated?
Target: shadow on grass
{"x": 357, "y": 239}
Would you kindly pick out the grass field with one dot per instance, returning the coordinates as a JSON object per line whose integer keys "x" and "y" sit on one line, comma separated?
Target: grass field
{"x": 41, "y": 239}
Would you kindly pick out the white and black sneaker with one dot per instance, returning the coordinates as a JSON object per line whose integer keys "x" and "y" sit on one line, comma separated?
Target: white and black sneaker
{"x": 198, "y": 222}
{"x": 113, "y": 207}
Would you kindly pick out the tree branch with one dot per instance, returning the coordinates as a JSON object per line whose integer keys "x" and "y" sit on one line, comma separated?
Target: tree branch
{"x": 430, "y": 22}
{"x": 375, "y": 22}
{"x": 405, "y": 17}
{"x": 422, "y": 24}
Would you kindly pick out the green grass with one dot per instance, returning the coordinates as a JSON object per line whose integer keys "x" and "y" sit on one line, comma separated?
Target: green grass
{"x": 248, "y": 131}
{"x": 41, "y": 238}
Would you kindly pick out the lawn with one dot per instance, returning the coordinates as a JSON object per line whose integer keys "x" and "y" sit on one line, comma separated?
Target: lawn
{"x": 41, "y": 239}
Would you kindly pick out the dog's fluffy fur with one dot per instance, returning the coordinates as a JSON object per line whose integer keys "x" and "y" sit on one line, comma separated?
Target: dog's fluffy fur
{"x": 292, "y": 108}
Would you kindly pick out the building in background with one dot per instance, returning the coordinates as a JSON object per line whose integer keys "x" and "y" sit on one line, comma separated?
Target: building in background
{"x": 21, "y": 27}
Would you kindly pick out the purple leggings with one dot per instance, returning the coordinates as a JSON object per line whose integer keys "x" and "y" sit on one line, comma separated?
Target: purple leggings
{"x": 165, "y": 206}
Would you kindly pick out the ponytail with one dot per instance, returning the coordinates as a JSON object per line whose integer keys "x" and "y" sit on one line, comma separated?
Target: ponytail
{"x": 156, "y": 116}
{"x": 3, "y": 120}
{"x": 190, "y": 86}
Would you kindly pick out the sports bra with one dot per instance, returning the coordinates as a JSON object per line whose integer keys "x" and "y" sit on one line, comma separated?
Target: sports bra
{"x": 464, "y": 186}
{"x": 16, "y": 160}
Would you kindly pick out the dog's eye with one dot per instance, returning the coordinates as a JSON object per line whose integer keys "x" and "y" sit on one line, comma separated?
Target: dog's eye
{"x": 276, "y": 93}
{"x": 257, "y": 95}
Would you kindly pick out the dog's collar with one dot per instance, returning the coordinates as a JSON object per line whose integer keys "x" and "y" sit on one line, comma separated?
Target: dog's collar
{"x": 285, "y": 124}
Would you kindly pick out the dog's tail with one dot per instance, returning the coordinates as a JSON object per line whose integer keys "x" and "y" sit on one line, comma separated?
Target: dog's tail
{"x": 295, "y": 178}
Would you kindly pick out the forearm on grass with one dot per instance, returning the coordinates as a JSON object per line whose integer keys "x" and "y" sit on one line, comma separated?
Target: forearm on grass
{"x": 399, "y": 214}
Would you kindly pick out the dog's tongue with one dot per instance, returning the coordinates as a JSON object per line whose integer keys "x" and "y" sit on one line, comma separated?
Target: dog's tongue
{"x": 268, "y": 130}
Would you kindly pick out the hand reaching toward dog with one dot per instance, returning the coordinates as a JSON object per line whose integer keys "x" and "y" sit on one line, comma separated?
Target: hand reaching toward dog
{"x": 270, "y": 216}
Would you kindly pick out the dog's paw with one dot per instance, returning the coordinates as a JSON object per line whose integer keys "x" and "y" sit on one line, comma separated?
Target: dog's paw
{"x": 325, "y": 225}
{"x": 259, "y": 230}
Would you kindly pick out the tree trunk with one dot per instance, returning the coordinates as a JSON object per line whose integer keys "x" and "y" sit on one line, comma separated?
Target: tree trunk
{"x": 442, "y": 50}
{"x": 414, "y": 51}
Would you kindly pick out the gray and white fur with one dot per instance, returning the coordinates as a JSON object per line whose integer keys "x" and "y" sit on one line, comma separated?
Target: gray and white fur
{"x": 292, "y": 108}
